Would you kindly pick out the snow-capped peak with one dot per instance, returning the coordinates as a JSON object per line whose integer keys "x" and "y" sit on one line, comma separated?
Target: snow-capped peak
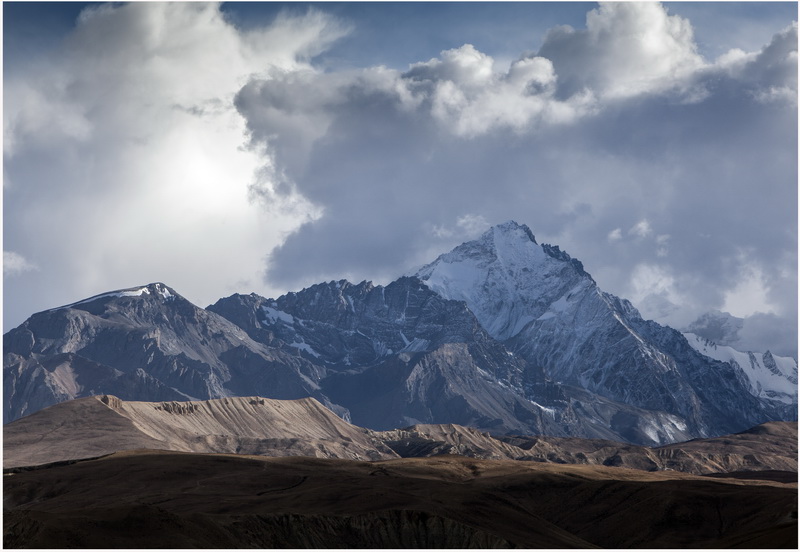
{"x": 511, "y": 230}
{"x": 154, "y": 289}
{"x": 506, "y": 278}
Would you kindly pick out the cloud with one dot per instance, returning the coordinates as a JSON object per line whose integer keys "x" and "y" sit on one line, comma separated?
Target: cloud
{"x": 131, "y": 153}
{"x": 750, "y": 294}
{"x": 769, "y": 75}
{"x": 627, "y": 49}
{"x": 472, "y": 225}
{"x": 655, "y": 291}
{"x": 641, "y": 229}
{"x": 15, "y": 264}
{"x": 619, "y": 125}
{"x": 768, "y": 332}
{"x": 759, "y": 332}
{"x": 190, "y": 151}
{"x": 465, "y": 92}
{"x": 662, "y": 241}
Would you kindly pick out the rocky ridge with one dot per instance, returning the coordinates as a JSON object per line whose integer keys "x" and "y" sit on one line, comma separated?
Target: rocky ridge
{"x": 146, "y": 343}
{"x": 97, "y": 426}
{"x": 100, "y": 425}
{"x": 501, "y": 334}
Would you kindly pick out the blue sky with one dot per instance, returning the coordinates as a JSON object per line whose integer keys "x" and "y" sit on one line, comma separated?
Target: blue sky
{"x": 400, "y": 33}
{"x": 265, "y": 147}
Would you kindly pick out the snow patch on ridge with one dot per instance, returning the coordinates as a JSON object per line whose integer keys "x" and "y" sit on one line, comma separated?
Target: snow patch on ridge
{"x": 272, "y": 315}
{"x": 159, "y": 289}
{"x": 415, "y": 346}
{"x": 550, "y": 411}
{"x": 305, "y": 347}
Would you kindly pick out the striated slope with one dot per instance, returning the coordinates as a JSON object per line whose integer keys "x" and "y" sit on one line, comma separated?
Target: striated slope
{"x": 424, "y": 440}
{"x": 767, "y": 447}
{"x": 255, "y": 425}
{"x": 95, "y": 426}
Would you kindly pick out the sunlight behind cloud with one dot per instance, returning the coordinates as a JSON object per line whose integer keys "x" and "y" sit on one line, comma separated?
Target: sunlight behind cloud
{"x": 136, "y": 123}
{"x": 749, "y": 296}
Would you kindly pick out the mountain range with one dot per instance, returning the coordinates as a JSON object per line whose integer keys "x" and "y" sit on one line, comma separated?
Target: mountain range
{"x": 501, "y": 334}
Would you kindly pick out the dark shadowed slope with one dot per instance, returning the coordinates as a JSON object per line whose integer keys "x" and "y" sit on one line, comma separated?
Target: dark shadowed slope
{"x": 193, "y": 500}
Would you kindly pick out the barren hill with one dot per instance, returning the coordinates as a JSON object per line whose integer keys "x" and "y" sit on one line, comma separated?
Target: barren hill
{"x": 95, "y": 426}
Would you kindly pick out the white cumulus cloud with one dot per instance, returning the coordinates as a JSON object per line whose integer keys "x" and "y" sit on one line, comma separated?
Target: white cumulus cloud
{"x": 627, "y": 48}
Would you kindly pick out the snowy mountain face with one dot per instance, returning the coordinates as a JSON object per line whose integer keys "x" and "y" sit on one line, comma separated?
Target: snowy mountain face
{"x": 768, "y": 376}
{"x": 501, "y": 334}
{"x": 543, "y": 306}
{"x": 507, "y": 279}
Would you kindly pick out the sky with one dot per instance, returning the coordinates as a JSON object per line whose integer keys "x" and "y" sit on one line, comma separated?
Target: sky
{"x": 250, "y": 147}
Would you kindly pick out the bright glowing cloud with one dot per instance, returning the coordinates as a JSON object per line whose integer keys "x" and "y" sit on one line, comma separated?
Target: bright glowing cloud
{"x": 749, "y": 295}
{"x": 144, "y": 176}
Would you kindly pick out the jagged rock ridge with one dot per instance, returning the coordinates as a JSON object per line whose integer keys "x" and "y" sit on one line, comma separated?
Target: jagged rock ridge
{"x": 501, "y": 334}
{"x": 145, "y": 343}
{"x": 544, "y": 307}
